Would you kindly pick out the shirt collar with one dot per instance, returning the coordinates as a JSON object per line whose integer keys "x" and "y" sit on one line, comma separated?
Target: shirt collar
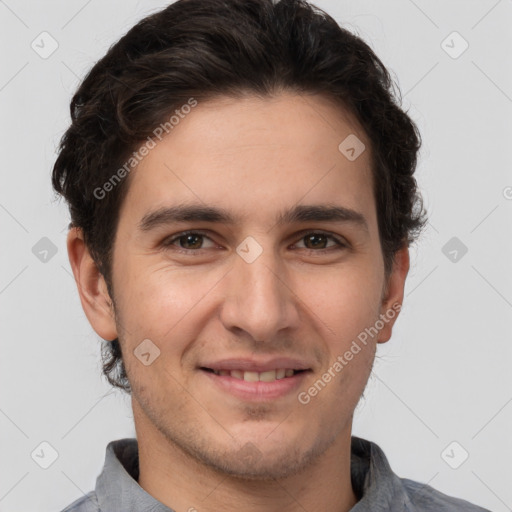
{"x": 117, "y": 489}
{"x": 379, "y": 488}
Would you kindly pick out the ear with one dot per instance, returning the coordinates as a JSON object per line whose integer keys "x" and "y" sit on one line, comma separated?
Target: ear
{"x": 393, "y": 293}
{"x": 92, "y": 288}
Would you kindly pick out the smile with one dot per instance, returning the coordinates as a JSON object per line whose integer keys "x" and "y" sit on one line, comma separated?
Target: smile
{"x": 252, "y": 386}
{"x": 249, "y": 376}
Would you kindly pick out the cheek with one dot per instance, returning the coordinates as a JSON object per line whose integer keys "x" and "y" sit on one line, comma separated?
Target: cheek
{"x": 350, "y": 308}
{"x": 160, "y": 303}
{"x": 346, "y": 300}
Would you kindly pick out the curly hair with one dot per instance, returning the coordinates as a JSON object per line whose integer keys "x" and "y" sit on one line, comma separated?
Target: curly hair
{"x": 211, "y": 48}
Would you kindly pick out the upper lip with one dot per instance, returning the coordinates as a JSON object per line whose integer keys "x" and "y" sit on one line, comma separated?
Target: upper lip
{"x": 253, "y": 365}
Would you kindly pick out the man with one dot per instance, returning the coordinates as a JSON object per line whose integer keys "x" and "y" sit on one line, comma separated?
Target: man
{"x": 240, "y": 182}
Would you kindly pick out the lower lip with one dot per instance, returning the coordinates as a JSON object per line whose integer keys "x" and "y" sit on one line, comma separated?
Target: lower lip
{"x": 257, "y": 391}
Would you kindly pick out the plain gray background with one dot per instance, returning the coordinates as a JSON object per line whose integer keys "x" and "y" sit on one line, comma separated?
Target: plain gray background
{"x": 445, "y": 374}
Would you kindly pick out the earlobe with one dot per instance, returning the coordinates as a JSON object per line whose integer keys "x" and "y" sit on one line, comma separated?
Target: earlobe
{"x": 394, "y": 293}
{"x": 92, "y": 288}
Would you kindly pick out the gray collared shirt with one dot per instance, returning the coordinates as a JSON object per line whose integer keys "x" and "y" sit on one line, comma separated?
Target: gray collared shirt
{"x": 376, "y": 486}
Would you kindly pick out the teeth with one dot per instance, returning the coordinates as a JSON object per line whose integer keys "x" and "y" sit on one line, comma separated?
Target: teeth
{"x": 251, "y": 376}
{"x": 268, "y": 376}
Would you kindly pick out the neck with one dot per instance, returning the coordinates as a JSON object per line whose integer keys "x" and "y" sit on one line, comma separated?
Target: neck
{"x": 183, "y": 483}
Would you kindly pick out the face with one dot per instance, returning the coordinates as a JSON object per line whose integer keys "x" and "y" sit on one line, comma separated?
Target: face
{"x": 276, "y": 267}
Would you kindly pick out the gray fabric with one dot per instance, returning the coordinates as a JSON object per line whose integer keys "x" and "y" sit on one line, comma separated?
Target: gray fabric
{"x": 376, "y": 486}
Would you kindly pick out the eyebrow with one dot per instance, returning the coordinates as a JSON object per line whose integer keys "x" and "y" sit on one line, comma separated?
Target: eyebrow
{"x": 295, "y": 215}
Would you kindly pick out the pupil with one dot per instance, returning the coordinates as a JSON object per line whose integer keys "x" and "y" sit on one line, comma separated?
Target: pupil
{"x": 314, "y": 237}
{"x": 188, "y": 238}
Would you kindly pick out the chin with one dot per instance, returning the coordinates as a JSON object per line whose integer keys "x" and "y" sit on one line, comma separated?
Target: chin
{"x": 254, "y": 454}
{"x": 249, "y": 463}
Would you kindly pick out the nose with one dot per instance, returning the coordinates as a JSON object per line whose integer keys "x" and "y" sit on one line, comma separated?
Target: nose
{"x": 260, "y": 300}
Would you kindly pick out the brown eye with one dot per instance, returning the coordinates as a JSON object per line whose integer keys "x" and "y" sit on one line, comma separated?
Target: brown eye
{"x": 190, "y": 241}
{"x": 318, "y": 242}
{"x": 315, "y": 241}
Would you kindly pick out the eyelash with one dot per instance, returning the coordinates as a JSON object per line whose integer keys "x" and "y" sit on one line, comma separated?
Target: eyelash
{"x": 168, "y": 242}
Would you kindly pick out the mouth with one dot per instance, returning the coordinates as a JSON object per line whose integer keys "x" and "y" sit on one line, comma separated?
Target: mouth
{"x": 251, "y": 385}
{"x": 252, "y": 376}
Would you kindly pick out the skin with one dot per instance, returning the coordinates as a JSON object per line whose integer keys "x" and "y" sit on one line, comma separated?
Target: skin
{"x": 199, "y": 446}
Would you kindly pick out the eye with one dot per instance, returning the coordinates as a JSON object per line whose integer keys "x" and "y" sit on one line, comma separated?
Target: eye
{"x": 315, "y": 241}
{"x": 188, "y": 241}
{"x": 193, "y": 241}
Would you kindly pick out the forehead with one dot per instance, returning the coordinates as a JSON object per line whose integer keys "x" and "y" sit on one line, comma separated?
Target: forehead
{"x": 256, "y": 156}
